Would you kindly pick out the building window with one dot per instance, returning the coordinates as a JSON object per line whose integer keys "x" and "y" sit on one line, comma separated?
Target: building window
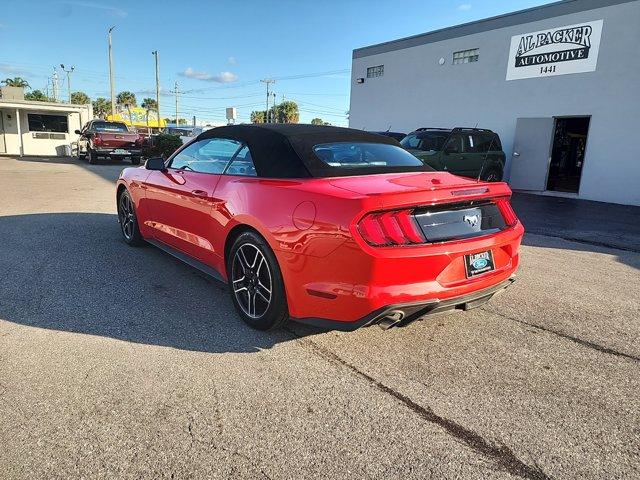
{"x": 466, "y": 56}
{"x": 48, "y": 123}
{"x": 376, "y": 71}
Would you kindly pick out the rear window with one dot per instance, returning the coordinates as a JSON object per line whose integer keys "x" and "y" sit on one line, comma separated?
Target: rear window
{"x": 357, "y": 155}
{"x": 429, "y": 141}
{"x": 109, "y": 127}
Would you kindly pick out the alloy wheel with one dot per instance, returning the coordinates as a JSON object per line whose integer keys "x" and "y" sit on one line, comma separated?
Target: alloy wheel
{"x": 126, "y": 216}
{"x": 251, "y": 280}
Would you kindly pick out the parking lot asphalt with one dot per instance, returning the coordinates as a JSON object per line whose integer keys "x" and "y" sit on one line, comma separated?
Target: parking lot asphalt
{"x": 122, "y": 362}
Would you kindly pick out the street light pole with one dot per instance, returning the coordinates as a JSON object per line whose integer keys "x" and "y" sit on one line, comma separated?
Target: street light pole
{"x": 155, "y": 54}
{"x": 68, "y": 72}
{"x": 111, "y": 82}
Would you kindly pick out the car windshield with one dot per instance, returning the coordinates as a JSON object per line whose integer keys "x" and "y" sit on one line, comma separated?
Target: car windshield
{"x": 364, "y": 155}
{"x": 427, "y": 141}
{"x": 109, "y": 127}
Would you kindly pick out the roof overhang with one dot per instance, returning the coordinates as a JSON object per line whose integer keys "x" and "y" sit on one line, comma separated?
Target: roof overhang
{"x": 542, "y": 12}
{"x": 43, "y": 106}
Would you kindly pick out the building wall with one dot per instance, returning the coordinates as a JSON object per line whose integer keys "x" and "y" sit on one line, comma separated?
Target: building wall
{"x": 38, "y": 146}
{"x": 416, "y": 91}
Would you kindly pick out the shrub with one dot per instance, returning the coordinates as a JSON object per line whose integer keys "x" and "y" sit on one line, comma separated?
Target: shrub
{"x": 164, "y": 145}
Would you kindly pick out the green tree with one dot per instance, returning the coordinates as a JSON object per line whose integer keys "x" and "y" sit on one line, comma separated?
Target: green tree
{"x": 101, "y": 107}
{"x": 37, "y": 95}
{"x": 16, "y": 82}
{"x": 80, "y": 98}
{"x": 257, "y": 116}
{"x": 150, "y": 104}
{"x": 288, "y": 112}
{"x": 317, "y": 121}
{"x": 127, "y": 100}
{"x": 285, "y": 112}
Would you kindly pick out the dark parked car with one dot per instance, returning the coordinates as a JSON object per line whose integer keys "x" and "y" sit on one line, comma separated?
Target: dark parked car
{"x": 397, "y": 135}
{"x": 100, "y": 138}
{"x": 470, "y": 152}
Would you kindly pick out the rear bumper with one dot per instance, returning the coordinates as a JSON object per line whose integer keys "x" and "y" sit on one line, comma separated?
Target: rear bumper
{"x": 407, "y": 312}
{"x": 109, "y": 152}
{"x": 355, "y": 283}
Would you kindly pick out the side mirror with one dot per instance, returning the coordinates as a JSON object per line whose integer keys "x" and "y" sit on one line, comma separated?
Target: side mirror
{"x": 155, "y": 163}
{"x": 78, "y": 132}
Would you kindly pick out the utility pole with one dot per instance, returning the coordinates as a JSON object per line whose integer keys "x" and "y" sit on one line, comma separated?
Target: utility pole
{"x": 111, "y": 82}
{"x": 176, "y": 92}
{"x": 268, "y": 82}
{"x": 68, "y": 72}
{"x": 54, "y": 81}
{"x": 155, "y": 54}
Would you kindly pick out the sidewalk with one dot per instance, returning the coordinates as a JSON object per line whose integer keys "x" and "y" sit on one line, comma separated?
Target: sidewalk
{"x": 597, "y": 223}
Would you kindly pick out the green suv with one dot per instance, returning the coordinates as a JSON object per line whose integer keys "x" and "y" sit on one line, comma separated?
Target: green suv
{"x": 470, "y": 152}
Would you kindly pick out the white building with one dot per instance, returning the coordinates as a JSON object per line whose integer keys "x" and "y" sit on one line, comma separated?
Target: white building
{"x": 38, "y": 128}
{"x": 559, "y": 83}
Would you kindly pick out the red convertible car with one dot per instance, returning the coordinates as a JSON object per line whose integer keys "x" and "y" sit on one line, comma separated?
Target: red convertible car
{"x": 330, "y": 226}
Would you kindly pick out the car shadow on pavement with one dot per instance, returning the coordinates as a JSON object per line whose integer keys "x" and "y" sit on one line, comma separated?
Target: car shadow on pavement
{"x": 105, "y": 168}
{"x": 72, "y": 272}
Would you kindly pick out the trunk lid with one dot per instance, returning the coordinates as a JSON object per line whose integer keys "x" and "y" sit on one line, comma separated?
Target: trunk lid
{"x": 419, "y": 188}
{"x": 118, "y": 139}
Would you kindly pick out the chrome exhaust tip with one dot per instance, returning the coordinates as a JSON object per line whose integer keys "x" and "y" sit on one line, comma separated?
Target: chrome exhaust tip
{"x": 391, "y": 319}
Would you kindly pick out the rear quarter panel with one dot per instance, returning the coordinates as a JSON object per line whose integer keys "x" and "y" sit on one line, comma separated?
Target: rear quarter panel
{"x": 294, "y": 216}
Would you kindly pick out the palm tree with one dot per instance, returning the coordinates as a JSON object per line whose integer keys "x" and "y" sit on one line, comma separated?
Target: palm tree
{"x": 257, "y": 116}
{"x": 287, "y": 112}
{"x": 128, "y": 100}
{"x": 150, "y": 104}
{"x": 37, "y": 95}
{"x": 102, "y": 107}
{"x": 80, "y": 98}
{"x": 16, "y": 82}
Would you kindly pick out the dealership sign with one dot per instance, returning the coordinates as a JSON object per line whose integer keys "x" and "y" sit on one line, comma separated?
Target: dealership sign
{"x": 557, "y": 51}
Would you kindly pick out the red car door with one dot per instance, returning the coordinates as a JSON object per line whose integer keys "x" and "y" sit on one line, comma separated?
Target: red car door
{"x": 180, "y": 199}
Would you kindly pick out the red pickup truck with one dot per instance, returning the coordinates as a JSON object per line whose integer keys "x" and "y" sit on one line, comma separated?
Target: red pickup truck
{"x": 100, "y": 138}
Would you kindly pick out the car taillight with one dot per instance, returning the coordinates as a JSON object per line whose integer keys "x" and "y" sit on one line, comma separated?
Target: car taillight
{"x": 390, "y": 229}
{"x": 96, "y": 140}
{"x": 506, "y": 210}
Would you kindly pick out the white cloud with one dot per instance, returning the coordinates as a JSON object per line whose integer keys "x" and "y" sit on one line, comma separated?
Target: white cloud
{"x": 222, "y": 77}
{"x": 232, "y": 60}
{"x": 113, "y": 11}
{"x": 465, "y": 7}
{"x": 11, "y": 70}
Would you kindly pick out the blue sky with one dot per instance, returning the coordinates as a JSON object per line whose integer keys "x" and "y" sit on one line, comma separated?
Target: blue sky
{"x": 219, "y": 50}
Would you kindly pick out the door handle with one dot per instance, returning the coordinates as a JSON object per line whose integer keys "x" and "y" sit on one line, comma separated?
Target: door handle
{"x": 199, "y": 193}
{"x": 516, "y": 154}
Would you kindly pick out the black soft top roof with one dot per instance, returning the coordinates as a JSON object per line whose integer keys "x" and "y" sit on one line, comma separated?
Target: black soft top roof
{"x": 286, "y": 150}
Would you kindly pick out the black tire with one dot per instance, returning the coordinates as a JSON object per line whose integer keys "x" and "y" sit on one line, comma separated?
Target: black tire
{"x": 92, "y": 156}
{"x": 135, "y": 160}
{"x": 249, "y": 279}
{"x": 492, "y": 175}
{"x": 128, "y": 220}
